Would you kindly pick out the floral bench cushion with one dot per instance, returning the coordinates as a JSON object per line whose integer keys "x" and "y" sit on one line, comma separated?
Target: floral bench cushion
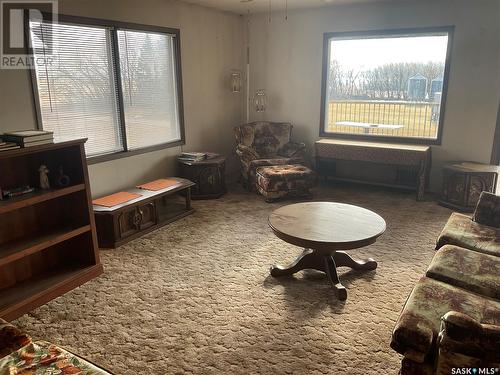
{"x": 280, "y": 180}
{"x": 461, "y": 231}
{"x": 467, "y": 269}
{"x": 419, "y": 323}
{"x": 42, "y": 357}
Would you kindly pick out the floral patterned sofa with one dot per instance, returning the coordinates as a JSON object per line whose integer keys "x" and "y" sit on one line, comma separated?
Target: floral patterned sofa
{"x": 452, "y": 317}
{"x": 20, "y": 355}
{"x": 261, "y": 144}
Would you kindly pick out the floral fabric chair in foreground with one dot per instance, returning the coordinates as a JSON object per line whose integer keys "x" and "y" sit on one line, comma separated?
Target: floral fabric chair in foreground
{"x": 19, "y": 355}
{"x": 264, "y": 144}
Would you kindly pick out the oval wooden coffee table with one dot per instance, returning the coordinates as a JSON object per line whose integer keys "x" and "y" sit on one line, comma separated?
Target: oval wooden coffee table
{"x": 323, "y": 229}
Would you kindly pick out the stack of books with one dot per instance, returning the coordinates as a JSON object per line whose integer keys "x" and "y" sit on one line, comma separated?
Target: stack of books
{"x": 5, "y": 146}
{"x": 29, "y": 138}
{"x": 192, "y": 156}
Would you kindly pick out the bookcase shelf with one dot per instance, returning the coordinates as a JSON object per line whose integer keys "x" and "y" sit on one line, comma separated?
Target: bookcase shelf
{"x": 18, "y": 249}
{"x": 48, "y": 242}
{"x": 37, "y": 197}
{"x": 36, "y": 291}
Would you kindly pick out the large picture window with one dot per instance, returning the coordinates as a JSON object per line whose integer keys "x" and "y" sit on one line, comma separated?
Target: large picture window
{"x": 388, "y": 85}
{"x": 118, "y": 85}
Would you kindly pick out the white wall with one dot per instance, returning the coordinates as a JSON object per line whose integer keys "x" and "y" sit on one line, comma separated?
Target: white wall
{"x": 286, "y": 60}
{"x": 211, "y": 46}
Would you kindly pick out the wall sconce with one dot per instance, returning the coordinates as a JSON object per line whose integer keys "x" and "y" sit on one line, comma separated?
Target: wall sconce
{"x": 260, "y": 101}
{"x": 236, "y": 82}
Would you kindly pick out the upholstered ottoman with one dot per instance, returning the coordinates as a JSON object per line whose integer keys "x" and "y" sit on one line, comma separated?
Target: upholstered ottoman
{"x": 279, "y": 181}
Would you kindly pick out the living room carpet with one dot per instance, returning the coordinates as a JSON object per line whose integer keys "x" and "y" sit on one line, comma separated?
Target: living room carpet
{"x": 196, "y": 297}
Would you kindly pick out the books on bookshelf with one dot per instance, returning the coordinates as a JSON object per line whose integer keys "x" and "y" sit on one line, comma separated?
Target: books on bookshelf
{"x": 16, "y": 192}
{"x": 27, "y": 138}
{"x": 192, "y": 156}
{"x": 4, "y": 146}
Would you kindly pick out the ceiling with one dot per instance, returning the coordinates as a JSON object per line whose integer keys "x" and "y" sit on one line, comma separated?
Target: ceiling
{"x": 255, "y": 6}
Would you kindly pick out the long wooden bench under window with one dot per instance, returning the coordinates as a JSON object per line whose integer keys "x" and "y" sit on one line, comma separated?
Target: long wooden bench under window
{"x": 410, "y": 164}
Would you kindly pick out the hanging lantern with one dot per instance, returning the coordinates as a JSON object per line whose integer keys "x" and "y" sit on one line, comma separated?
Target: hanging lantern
{"x": 260, "y": 101}
{"x": 236, "y": 82}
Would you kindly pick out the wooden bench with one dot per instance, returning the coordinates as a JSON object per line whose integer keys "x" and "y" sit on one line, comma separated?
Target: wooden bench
{"x": 412, "y": 162}
{"x": 121, "y": 223}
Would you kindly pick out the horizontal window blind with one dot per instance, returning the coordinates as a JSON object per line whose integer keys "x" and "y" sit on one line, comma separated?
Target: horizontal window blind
{"x": 148, "y": 88}
{"x": 77, "y": 94}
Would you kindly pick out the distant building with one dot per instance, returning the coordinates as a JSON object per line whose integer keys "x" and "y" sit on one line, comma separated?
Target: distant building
{"x": 436, "y": 86}
{"x": 417, "y": 87}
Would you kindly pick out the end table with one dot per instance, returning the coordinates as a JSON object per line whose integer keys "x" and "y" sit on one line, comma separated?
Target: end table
{"x": 463, "y": 183}
{"x": 208, "y": 174}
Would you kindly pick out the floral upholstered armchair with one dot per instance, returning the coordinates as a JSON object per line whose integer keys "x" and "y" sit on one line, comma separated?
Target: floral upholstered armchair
{"x": 263, "y": 144}
{"x": 20, "y": 355}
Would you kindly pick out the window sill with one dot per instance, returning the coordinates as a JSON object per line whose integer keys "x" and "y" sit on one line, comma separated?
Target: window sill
{"x": 382, "y": 138}
{"x": 125, "y": 154}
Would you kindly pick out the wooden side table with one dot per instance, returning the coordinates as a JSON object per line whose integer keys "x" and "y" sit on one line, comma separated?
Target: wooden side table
{"x": 463, "y": 183}
{"x": 208, "y": 175}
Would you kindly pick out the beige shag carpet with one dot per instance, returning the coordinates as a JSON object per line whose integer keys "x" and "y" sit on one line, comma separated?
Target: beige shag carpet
{"x": 196, "y": 297}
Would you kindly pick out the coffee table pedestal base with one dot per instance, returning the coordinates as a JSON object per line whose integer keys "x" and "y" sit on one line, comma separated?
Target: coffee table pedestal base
{"x": 325, "y": 262}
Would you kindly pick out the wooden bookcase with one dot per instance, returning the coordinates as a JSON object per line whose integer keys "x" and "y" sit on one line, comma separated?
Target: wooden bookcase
{"x": 48, "y": 243}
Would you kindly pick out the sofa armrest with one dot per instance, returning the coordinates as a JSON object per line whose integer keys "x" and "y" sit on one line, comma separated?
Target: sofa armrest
{"x": 11, "y": 338}
{"x": 246, "y": 153}
{"x": 292, "y": 149}
{"x": 487, "y": 210}
{"x": 462, "y": 336}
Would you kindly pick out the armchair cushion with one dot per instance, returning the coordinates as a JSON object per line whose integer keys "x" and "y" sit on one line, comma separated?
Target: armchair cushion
{"x": 266, "y": 138}
{"x": 487, "y": 211}
{"x": 461, "y": 231}
{"x": 292, "y": 149}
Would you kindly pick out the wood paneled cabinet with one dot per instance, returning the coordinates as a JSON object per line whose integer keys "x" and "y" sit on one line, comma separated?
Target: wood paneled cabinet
{"x": 120, "y": 224}
{"x": 208, "y": 175}
{"x": 48, "y": 240}
{"x": 136, "y": 219}
{"x": 463, "y": 183}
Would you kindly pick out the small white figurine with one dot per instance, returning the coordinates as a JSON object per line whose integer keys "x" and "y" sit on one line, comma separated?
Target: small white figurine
{"x": 44, "y": 178}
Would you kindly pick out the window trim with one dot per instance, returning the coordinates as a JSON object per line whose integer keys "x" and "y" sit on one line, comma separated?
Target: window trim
{"x": 114, "y": 26}
{"x": 495, "y": 151}
{"x": 385, "y": 32}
